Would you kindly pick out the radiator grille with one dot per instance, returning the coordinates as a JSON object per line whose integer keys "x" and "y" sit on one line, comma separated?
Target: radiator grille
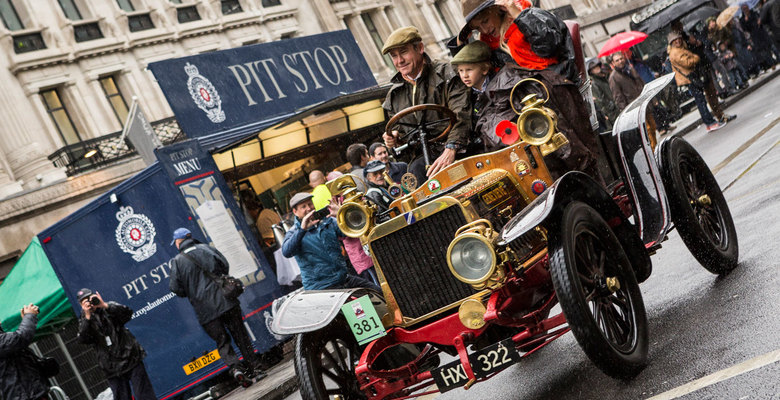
{"x": 413, "y": 260}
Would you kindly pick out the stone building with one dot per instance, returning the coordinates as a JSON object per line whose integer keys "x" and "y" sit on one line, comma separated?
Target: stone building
{"x": 69, "y": 70}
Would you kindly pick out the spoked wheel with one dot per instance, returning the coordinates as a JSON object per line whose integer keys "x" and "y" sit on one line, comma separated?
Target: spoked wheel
{"x": 699, "y": 210}
{"x": 325, "y": 363}
{"x": 598, "y": 292}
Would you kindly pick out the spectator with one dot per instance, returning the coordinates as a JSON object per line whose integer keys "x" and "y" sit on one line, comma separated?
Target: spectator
{"x": 357, "y": 155}
{"x": 191, "y": 276}
{"x": 684, "y": 64}
{"x": 770, "y": 18}
{"x": 377, "y": 185}
{"x": 602, "y": 94}
{"x": 320, "y": 193}
{"x": 396, "y": 170}
{"x": 19, "y": 374}
{"x": 744, "y": 50}
{"x": 119, "y": 354}
{"x": 266, "y": 218}
{"x": 729, "y": 61}
{"x": 626, "y": 86}
{"x": 315, "y": 245}
{"x": 759, "y": 36}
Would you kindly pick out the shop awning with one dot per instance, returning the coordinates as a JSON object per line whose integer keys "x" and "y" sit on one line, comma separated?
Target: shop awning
{"x": 32, "y": 280}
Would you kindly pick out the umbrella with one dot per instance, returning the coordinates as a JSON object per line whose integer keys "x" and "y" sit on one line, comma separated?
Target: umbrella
{"x": 699, "y": 14}
{"x": 727, "y": 15}
{"x": 665, "y": 17}
{"x": 622, "y": 41}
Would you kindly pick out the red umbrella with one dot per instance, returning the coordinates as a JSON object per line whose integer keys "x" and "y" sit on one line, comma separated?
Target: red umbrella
{"x": 622, "y": 41}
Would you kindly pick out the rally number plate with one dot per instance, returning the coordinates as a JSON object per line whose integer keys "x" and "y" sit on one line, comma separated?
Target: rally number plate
{"x": 484, "y": 362}
{"x": 363, "y": 320}
{"x": 201, "y": 362}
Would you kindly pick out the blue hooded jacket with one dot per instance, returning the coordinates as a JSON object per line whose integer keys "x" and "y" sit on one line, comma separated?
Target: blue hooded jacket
{"x": 318, "y": 253}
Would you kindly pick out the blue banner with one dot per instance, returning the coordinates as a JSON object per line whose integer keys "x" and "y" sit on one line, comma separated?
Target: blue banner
{"x": 214, "y": 92}
{"x": 119, "y": 245}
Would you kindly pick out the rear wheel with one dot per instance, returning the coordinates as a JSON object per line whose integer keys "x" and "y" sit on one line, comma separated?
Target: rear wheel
{"x": 699, "y": 210}
{"x": 598, "y": 292}
{"x": 325, "y": 363}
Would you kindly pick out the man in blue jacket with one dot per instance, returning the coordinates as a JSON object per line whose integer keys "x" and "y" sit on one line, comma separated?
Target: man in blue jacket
{"x": 315, "y": 245}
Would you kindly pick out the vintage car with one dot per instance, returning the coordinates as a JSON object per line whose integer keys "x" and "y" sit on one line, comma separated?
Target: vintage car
{"x": 473, "y": 261}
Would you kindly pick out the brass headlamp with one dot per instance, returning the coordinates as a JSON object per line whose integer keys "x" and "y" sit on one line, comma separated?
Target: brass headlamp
{"x": 537, "y": 124}
{"x": 471, "y": 256}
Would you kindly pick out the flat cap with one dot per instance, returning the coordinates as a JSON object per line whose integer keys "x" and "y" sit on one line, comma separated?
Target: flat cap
{"x": 474, "y": 52}
{"x": 400, "y": 37}
{"x": 299, "y": 198}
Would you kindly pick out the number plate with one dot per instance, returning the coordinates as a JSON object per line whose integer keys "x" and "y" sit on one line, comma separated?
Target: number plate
{"x": 483, "y": 363}
{"x": 201, "y": 362}
{"x": 363, "y": 320}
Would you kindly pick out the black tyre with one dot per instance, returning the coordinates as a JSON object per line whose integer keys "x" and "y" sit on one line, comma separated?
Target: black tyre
{"x": 699, "y": 210}
{"x": 325, "y": 363}
{"x": 598, "y": 292}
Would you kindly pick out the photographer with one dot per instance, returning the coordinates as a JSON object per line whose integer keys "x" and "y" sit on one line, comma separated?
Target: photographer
{"x": 19, "y": 374}
{"x": 102, "y": 325}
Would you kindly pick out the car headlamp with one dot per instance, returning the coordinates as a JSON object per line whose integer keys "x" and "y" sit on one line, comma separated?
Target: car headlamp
{"x": 535, "y": 126}
{"x": 471, "y": 258}
{"x": 354, "y": 219}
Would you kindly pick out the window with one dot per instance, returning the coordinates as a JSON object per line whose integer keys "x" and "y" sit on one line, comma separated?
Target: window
{"x": 86, "y": 32}
{"x": 187, "y": 14}
{"x": 60, "y": 117}
{"x": 140, "y": 22}
{"x": 126, "y": 5}
{"x": 28, "y": 42}
{"x": 115, "y": 98}
{"x": 71, "y": 11}
{"x": 271, "y": 3}
{"x": 439, "y": 11}
{"x": 231, "y": 7}
{"x": 10, "y": 16}
{"x": 376, "y": 37}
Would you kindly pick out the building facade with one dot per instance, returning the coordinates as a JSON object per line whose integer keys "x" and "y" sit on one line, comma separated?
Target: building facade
{"x": 70, "y": 69}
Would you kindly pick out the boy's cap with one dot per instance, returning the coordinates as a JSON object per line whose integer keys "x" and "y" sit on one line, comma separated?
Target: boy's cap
{"x": 474, "y": 52}
{"x": 400, "y": 37}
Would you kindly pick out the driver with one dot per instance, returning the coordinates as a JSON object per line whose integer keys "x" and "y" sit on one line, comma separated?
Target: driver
{"x": 421, "y": 80}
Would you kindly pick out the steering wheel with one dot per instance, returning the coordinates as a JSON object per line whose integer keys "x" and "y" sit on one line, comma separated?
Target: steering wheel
{"x": 423, "y": 131}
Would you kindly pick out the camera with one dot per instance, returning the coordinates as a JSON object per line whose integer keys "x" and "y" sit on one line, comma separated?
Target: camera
{"x": 321, "y": 214}
{"x": 94, "y": 300}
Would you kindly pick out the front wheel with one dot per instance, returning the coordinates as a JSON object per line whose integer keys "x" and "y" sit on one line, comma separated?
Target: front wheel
{"x": 699, "y": 210}
{"x": 325, "y": 363}
{"x": 598, "y": 292}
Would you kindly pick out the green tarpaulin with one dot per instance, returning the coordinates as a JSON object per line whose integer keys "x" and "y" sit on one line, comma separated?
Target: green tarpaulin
{"x": 32, "y": 280}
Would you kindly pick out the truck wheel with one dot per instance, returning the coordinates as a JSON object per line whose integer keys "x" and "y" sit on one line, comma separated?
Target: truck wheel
{"x": 325, "y": 363}
{"x": 699, "y": 210}
{"x": 598, "y": 292}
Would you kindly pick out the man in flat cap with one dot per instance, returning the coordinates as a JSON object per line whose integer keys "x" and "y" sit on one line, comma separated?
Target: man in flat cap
{"x": 314, "y": 242}
{"x": 421, "y": 80}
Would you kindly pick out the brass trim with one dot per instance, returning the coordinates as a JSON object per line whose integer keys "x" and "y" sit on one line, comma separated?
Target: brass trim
{"x": 421, "y": 212}
{"x": 472, "y": 314}
{"x": 362, "y": 208}
{"x": 535, "y": 112}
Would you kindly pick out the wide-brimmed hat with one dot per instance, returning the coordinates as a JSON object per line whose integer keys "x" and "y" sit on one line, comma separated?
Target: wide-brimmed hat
{"x": 400, "y": 37}
{"x": 473, "y": 7}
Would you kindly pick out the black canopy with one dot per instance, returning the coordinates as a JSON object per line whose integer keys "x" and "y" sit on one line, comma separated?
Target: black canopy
{"x": 665, "y": 17}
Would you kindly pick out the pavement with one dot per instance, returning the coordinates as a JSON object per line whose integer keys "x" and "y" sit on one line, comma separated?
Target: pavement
{"x": 282, "y": 381}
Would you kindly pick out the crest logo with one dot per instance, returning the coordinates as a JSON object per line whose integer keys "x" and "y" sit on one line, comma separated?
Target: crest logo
{"x": 204, "y": 94}
{"x": 135, "y": 234}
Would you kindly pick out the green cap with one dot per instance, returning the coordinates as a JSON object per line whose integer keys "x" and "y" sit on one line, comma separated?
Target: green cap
{"x": 400, "y": 37}
{"x": 474, "y": 52}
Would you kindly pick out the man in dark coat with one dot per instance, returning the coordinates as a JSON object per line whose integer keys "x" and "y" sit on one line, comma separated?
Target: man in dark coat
{"x": 421, "y": 80}
{"x": 602, "y": 94}
{"x": 119, "y": 354}
{"x": 19, "y": 376}
{"x": 216, "y": 313}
